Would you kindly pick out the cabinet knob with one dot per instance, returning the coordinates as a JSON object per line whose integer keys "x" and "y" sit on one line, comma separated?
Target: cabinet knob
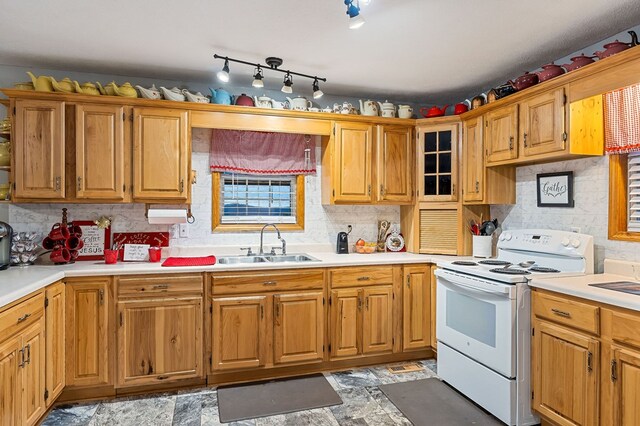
{"x": 477, "y": 187}
{"x": 369, "y": 190}
{"x": 524, "y": 139}
{"x": 382, "y": 190}
{"x": 58, "y": 180}
{"x": 23, "y": 318}
{"x": 79, "y": 183}
{"x": 510, "y": 143}
{"x": 181, "y": 185}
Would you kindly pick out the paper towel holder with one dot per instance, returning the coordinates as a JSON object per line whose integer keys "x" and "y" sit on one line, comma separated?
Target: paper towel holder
{"x": 190, "y": 217}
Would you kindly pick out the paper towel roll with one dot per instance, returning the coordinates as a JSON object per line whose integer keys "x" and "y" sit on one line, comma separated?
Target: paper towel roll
{"x": 166, "y": 216}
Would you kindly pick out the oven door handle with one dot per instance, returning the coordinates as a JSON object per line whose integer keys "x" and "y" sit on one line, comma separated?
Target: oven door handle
{"x": 471, "y": 285}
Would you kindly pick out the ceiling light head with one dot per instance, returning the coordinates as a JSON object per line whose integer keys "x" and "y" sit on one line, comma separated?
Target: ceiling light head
{"x": 317, "y": 93}
{"x": 353, "y": 10}
{"x": 257, "y": 78}
{"x": 223, "y": 75}
{"x": 288, "y": 83}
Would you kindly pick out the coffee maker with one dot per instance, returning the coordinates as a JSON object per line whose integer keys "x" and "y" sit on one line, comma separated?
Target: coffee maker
{"x": 6, "y": 233}
{"x": 342, "y": 245}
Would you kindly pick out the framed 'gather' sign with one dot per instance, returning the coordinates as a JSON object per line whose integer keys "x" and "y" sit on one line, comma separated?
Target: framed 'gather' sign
{"x": 555, "y": 189}
{"x": 95, "y": 240}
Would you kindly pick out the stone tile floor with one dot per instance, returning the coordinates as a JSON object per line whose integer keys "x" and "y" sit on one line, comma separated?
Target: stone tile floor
{"x": 363, "y": 404}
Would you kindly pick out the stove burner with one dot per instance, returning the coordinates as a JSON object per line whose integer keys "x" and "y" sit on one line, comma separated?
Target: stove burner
{"x": 509, "y": 271}
{"x": 543, "y": 269}
{"x": 464, "y": 263}
{"x": 494, "y": 262}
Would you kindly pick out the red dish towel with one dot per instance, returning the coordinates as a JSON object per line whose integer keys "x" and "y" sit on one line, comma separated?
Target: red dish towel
{"x": 190, "y": 261}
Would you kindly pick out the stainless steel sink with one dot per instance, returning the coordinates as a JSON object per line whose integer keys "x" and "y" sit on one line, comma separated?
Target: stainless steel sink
{"x": 232, "y": 260}
{"x": 300, "y": 257}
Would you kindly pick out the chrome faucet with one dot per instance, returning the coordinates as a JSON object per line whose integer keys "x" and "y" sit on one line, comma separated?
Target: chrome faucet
{"x": 284, "y": 243}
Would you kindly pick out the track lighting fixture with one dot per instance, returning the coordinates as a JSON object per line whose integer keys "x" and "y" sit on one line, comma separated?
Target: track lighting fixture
{"x": 272, "y": 64}
{"x": 317, "y": 93}
{"x": 288, "y": 82}
{"x": 223, "y": 75}
{"x": 257, "y": 78}
{"x": 353, "y": 10}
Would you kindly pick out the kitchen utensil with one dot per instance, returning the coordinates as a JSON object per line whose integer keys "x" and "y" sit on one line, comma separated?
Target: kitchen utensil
{"x": 60, "y": 254}
{"x": 503, "y": 91}
{"x": 524, "y": 81}
{"x": 405, "y": 111}
{"x": 106, "y": 90}
{"x": 155, "y": 253}
{"x": 342, "y": 245}
{"x": 41, "y": 83}
{"x": 244, "y": 100}
{"x": 383, "y": 228}
{"x": 150, "y": 93}
{"x": 299, "y": 103}
{"x": 125, "y": 91}
{"x": 173, "y": 94}
{"x": 549, "y": 71}
{"x": 65, "y": 85}
{"x": 263, "y": 101}
{"x": 487, "y": 228}
{"x": 24, "y": 85}
{"x": 195, "y": 97}
{"x": 460, "y": 108}
{"x": 387, "y": 109}
{"x": 110, "y": 256}
{"x": 478, "y": 101}
{"x": 617, "y": 46}
{"x": 74, "y": 243}
{"x": 59, "y": 231}
{"x": 482, "y": 246}
{"x": 369, "y": 107}
{"x": 578, "y": 62}
{"x": 86, "y": 89}
{"x": 221, "y": 97}
{"x": 6, "y": 238}
{"x": 433, "y": 111}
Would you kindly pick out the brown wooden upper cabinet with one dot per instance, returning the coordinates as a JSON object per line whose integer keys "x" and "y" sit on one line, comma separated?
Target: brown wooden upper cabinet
{"x": 473, "y": 160}
{"x": 542, "y": 123}
{"x": 103, "y": 149}
{"x": 365, "y": 164}
{"x": 161, "y": 154}
{"x": 39, "y": 161}
{"x": 437, "y": 162}
{"x": 394, "y": 165}
{"x": 501, "y": 143}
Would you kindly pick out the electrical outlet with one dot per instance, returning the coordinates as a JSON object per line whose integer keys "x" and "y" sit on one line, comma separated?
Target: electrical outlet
{"x": 575, "y": 229}
{"x": 184, "y": 230}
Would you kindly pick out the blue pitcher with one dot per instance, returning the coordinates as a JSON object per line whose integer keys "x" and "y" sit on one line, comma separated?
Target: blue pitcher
{"x": 221, "y": 97}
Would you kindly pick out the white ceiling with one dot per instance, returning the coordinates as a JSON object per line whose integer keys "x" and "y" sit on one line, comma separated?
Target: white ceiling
{"x": 425, "y": 51}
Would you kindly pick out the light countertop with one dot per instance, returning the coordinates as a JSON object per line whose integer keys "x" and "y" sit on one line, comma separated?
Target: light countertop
{"x": 580, "y": 286}
{"x": 18, "y": 282}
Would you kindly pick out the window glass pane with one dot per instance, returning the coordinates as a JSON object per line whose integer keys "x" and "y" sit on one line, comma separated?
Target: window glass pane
{"x": 430, "y": 161}
{"x": 445, "y": 140}
{"x": 257, "y": 199}
{"x": 444, "y": 165}
{"x": 430, "y": 140}
{"x": 444, "y": 185}
{"x": 430, "y": 185}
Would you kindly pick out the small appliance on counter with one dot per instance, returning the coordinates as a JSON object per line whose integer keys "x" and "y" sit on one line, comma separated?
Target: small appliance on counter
{"x": 6, "y": 233}
{"x": 342, "y": 245}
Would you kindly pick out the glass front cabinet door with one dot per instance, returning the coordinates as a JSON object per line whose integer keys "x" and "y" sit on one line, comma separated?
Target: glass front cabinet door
{"x": 437, "y": 162}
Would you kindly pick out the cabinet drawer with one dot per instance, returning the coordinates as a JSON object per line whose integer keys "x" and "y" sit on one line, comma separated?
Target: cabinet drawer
{"x": 361, "y": 276}
{"x": 160, "y": 285}
{"x": 20, "y": 315}
{"x": 268, "y": 281}
{"x": 569, "y": 312}
{"x": 626, "y": 329}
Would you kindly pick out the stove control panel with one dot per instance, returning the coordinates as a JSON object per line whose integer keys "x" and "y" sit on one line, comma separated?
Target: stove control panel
{"x": 546, "y": 241}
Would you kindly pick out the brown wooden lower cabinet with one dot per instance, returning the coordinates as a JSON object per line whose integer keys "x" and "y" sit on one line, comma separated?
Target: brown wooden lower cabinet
{"x": 90, "y": 337}
{"x": 33, "y": 373}
{"x": 416, "y": 307}
{"x": 377, "y": 320}
{"x": 298, "y": 327}
{"x": 346, "y": 322}
{"x": 54, "y": 355}
{"x": 625, "y": 376}
{"x": 10, "y": 381}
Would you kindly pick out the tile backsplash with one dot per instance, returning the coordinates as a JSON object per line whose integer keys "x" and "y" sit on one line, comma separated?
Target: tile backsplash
{"x": 590, "y": 214}
{"x": 322, "y": 223}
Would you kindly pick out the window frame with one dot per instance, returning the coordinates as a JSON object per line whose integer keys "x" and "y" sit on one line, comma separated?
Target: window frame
{"x": 618, "y": 196}
{"x": 216, "y": 215}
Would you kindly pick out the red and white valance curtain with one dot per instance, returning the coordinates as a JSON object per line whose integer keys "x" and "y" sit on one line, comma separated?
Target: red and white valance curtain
{"x": 262, "y": 153}
{"x": 622, "y": 120}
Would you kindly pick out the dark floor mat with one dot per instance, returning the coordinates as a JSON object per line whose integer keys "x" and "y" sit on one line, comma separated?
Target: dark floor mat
{"x": 432, "y": 402}
{"x": 263, "y": 399}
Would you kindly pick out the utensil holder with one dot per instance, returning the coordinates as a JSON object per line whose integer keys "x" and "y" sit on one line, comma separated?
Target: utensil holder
{"x": 482, "y": 246}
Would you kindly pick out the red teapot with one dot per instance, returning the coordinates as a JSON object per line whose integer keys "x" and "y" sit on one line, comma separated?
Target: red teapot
{"x": 461, "y": 107}
{"x": 244, "y": 100}
{"x": 617, "y": 46}
{"x": 578, "y": 62}
{"x": 549, "y": 71}
{"x": 525, "y": 80}
{"x": 433, "y": 111}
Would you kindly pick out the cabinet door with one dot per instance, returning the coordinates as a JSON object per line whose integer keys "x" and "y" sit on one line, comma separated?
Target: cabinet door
{"x": 501, "y": 127}
{"x": 542, "y": 121}
{"x": 33, "y": 373}
{"x": 10, "y": 381}
{"x": 434, "y": 341}
{"x": 161, "y": 151}
{"x": 437, "y": 162}
{"x": 625, "y": 375}
{"x": 394, "y": 164}
{"x": 299, "y": 327}
{"x": 346, "y": 322}
{"x": 54, "y": 332}
{"x": 39, "y": 149}
{"x": 565, "y": 375}
{"x": 377, "y": 321}
{"x": 239, "y": 332}
{"x": 89, "y": 334}
{"x": 416, "y": 308}
{"x": 101, "y": 152}
{"x": 159, "y": 340}
{"x": 352, "y": 164}
{"x": 473, "y": 160}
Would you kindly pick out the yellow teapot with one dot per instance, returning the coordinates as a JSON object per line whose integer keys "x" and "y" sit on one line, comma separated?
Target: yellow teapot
{"x": 65, "y": 85}
{"x": 24, "y": 85}
{"x": 41, "y": 83}
{"x": 107, "y": 89}
{"x": 126, "y": 90}
{"x": 86, "y": 89}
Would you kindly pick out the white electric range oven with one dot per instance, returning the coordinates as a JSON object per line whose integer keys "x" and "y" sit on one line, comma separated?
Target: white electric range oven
{"x": 483, "y": 316}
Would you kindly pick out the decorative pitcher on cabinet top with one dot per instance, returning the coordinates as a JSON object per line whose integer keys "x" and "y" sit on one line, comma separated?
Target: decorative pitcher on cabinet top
{"x": 299, "y": 103}
{"x": 41, "y": 83}
{"x": 369, "y": 107}
{"x": 150, "y": 93}
{"x": 387, "y": 109}
{"x": 221, "y": 97}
